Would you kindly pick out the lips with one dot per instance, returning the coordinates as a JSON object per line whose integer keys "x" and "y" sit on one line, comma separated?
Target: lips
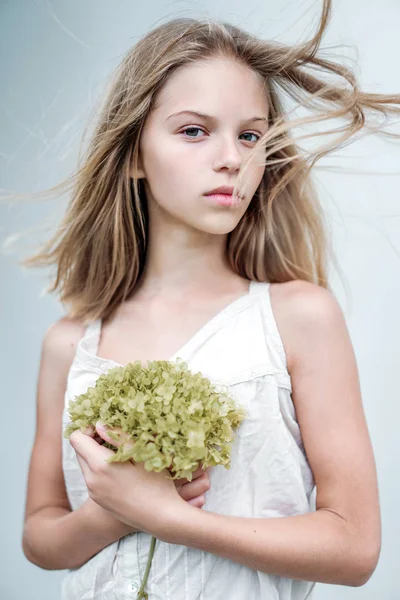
{"x": 221, "y": 190}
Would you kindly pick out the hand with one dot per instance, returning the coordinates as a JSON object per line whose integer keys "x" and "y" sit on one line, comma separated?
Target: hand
{"x": 146, "y": 501}
{"x": 191, "y": 491}
{"x": 104, "y": 524}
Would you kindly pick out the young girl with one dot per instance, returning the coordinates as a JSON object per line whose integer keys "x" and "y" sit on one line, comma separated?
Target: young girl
{"x": 194, "y": 231}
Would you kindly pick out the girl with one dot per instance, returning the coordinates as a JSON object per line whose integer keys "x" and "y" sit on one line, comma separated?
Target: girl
{"x": 194, "y": 231}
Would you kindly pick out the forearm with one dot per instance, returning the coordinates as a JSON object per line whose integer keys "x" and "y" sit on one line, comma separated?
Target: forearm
{"x": 316, "y": 546}
{"x": 58, "y": 539}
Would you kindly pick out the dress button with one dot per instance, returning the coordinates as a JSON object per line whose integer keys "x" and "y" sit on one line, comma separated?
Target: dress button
{"x": 135, "y": 584}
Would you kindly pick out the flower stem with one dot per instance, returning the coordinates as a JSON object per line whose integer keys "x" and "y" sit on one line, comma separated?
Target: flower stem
{"x": 141, "y": 592}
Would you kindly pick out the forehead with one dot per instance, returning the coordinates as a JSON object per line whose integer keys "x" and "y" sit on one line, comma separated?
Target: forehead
{"x": 218, "y": 86}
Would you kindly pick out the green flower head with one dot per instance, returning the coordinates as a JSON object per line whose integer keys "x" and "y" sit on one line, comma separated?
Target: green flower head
{"x": 175, "y": 418}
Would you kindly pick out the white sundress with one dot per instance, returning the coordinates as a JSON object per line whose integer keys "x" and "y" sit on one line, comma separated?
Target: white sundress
{"x": 270, "y": 476}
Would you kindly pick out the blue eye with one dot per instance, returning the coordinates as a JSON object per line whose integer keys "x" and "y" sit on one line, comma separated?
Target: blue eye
{"x": 251, "y": 133}
{"x": 199, "y": 129}
{"x": 192, "y": 129}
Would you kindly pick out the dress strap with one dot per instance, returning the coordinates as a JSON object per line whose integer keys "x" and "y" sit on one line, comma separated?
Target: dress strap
{"x": 264, "y": 289}
{"x": 91, "y": 337}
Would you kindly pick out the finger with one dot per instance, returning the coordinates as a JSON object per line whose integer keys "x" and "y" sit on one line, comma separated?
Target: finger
{"x": 199, "y": 501}
{"x": 84, "y": 467}
{"x": 90, "y": 431}
{"x": 104, "y": 432}
{"x": 193, "y": 489}
{"x": 198, "y": 473}
{"x": 88, "y": 449}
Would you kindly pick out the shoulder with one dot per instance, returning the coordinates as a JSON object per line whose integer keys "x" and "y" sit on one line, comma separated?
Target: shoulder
{"x": 61, "y": 339}
{"x": 301, "y": 299}
{"x": 304, "y": 312}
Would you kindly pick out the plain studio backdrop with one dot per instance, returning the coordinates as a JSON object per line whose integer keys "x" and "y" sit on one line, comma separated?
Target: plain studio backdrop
{"x": 55, "y": 59}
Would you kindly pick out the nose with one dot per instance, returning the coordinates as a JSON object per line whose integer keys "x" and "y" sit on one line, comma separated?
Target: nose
{"x": 228, "y": 155}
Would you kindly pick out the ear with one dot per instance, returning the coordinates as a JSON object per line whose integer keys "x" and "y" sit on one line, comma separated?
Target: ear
{"x": 136, "y": 170}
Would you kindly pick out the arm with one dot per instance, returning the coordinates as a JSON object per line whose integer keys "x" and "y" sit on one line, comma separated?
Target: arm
{"x": 53, "y": 536}
{"x": 340, "y": 542}
{"x": 56, "y": 538}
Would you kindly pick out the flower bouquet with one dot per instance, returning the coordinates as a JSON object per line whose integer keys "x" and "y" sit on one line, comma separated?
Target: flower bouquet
{"x": 170, "y": 417}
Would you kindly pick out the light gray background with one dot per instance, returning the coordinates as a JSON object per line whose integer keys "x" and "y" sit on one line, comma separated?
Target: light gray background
{"x": 55, "y": 58}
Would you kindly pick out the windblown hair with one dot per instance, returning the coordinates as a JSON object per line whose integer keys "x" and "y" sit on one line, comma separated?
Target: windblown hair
{"x": 99, "y": 249}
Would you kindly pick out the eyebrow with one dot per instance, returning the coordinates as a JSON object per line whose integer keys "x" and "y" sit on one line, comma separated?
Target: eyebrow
{"x": 211, "y": 118}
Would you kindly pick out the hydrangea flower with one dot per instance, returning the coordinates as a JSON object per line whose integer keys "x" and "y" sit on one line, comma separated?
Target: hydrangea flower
{"x": 176, "y": 419}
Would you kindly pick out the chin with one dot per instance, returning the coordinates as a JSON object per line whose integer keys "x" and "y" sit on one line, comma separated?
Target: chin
{"x": 218, "y": 225}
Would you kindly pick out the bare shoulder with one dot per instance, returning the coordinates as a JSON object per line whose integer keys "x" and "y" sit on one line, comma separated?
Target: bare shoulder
{"x": 61, "y": 339}
{"x": 66, "y": 329}
{"x": 302, "y": 298}
{"x": 302, "y": 308}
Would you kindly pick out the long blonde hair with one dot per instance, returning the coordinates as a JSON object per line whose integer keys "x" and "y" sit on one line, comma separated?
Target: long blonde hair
{"x": 99, "y": 249}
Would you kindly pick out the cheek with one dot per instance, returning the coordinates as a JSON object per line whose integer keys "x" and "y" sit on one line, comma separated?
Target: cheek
{"x": 255, "y": 177}
{"x": 171, "y": 170}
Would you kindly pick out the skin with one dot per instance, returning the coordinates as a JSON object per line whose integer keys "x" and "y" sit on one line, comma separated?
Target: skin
{"x": 177, "y": 168}
{"x": 179, "y": 164}
{"x": 340, "y": 541}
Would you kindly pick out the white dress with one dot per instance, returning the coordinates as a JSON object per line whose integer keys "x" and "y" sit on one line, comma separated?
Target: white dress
{"x": 269, "y": 477}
